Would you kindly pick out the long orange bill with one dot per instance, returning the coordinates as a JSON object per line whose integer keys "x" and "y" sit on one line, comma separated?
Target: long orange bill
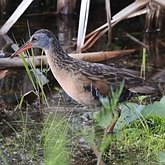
{"x": 23, "y": 48}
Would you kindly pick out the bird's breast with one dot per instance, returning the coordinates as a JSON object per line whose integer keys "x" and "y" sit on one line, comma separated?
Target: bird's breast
{"x": 79, "y": 87}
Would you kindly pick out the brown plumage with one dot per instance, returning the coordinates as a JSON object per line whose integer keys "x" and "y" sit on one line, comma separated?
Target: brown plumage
{"x": 82, "y": 81}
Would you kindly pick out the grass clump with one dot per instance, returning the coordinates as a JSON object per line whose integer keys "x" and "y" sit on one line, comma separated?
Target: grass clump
{"x": 141, "y": 141}
{"x": 55, "y": 141}
{"x": 139, "y": 135}
{"x": 35, "y": 140}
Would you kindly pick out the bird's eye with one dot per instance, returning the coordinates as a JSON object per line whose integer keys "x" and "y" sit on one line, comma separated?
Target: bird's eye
{"x": 34, "y": 39}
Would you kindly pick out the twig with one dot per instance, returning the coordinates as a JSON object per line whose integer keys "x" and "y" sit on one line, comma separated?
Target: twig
{"x": 123, "y": 14}
{"x": 84, "y": 12}
{"x": 108, "y": 11}
{"x": 90, "y": 57}
{"x": 135, "y": 39}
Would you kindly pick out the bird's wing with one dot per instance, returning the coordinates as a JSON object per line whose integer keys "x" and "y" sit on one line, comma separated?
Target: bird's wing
{"x": 111, "y": 75}
{"x": 104, "y": 77}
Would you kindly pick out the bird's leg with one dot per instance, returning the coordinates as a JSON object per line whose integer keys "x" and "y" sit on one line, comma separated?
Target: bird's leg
{"x": 116, "y": 115}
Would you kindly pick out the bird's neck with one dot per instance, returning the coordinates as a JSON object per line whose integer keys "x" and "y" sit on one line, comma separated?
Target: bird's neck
{"x": 62, "y": 67}
{"x": 57, "y": 57}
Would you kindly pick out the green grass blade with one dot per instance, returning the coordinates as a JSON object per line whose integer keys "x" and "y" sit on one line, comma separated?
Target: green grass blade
{"x": 28, "y": 70}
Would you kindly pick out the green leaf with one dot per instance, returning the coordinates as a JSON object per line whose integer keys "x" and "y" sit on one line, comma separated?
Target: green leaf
{"x": 155, "y": 109}
{"x": 161, "y": 157}
{"x": 129, "y": 113}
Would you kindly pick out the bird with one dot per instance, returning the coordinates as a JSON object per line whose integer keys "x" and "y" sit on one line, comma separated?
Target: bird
{"x": 83, "y": 81}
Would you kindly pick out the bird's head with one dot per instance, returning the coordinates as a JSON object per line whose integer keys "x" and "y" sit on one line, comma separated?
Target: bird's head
{"x": 40, "y": 39}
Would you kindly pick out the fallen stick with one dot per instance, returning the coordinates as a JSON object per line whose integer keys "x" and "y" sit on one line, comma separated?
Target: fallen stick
{"x": 41, "y": 60}
{"x": 101, "y": 56}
